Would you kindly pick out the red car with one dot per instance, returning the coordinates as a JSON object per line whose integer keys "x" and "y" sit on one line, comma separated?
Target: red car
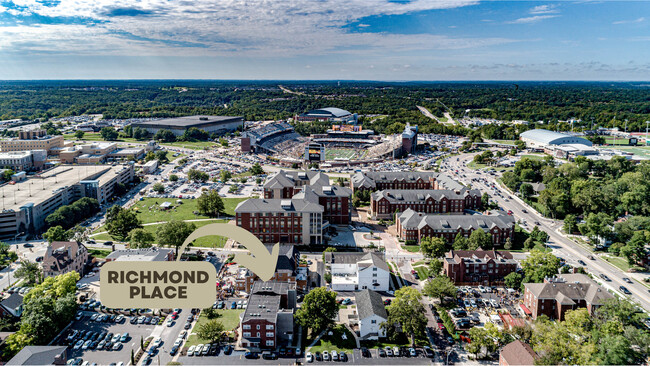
{"x": 441, "y": 326}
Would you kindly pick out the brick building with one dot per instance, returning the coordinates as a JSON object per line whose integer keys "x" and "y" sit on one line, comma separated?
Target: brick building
{"x": 414, "y": 226}
{"x": 556, "y": 295}
{"x": 267, "y": 321}
{"x": 288, "y": 270}
{"x": 402, "y": 180}
{"x": 383, "y": 204}
{"x": 478, "y": 267}
{"x": 63, "y": 257}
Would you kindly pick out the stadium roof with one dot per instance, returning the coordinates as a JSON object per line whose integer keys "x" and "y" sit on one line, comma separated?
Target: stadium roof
{"x": 189, "y": 121}
{"x": 552, "y": 137}
{"x": 330, "y": 111}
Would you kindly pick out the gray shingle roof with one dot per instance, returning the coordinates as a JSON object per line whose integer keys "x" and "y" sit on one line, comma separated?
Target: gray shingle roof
{"x": 370, "y": 179}
{"x": 276, "y": 205}
{"x": 262, "y": 307}
{"x": 421, "y": 196}
{"x": 567, "y": 292}
{"x": 13, "y": 301}
{"x": 370, "y": 303}
{"x": 37, "y": 355}
{"x": 410, "y": 219}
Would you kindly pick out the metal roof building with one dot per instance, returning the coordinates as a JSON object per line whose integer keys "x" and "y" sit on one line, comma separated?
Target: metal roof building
{"x": 543, "y": 138}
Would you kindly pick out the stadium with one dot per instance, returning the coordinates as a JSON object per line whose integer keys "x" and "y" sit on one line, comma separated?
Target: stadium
{"x": 178, "y": 125}
{"x": 274, "y": 138}
{"x": 329, "y": 114}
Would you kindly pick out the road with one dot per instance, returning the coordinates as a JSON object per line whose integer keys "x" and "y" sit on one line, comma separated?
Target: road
{"x": 561, "y": 244}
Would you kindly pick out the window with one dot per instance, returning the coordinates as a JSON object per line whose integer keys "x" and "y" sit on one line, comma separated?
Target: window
{"x": 269, "y": 334}
{"x": 270, "y": 343}
{"x": 246, "y": 326}
{"x": 270, "y": 326}
{"x": 373, "y": 321}
{"x": 258, "y": 327}
{"x": 258, "y": 334}
{"x": 247, "y": 334}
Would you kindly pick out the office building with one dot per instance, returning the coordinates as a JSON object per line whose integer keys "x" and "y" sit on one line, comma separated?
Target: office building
{"x": 32, "y": 140}
{"x": 267, "y": 322}
{"x": 23, "y": 160}
{"x": 372, "y": 313}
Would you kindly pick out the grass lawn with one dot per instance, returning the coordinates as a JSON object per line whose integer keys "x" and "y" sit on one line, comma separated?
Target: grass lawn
{"x": 99, "y": 253}
{"x": 411, "y": 248}
{"x": 421, "y": 263}
{"x": 476, "y": 166}
{"x": 173, "y": 158}
{"x": 423, "y": 271}
{"x": 211, "y": 241}
{"x": 149, "y": 209}
{"x": 194, "y": 145}
{"x": 638, "y": 150}
{"x": 534, "y": 157}
{"x": 229, "y": 318}
{"x": 511, "y": 142}
{"x": 335, "y": 342}
{"x": 618, "y": 262}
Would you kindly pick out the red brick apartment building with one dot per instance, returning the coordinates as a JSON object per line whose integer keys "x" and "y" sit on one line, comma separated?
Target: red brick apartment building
{"x": 267, "y": 322}
{"x": 377, "y": 181}
{"x": 555, "y": 296}
{"x": 414, "y": 226}
{"x": 288, "y": 270}
{"x": 478, "y": 267}
{"x": 383, "y": 204}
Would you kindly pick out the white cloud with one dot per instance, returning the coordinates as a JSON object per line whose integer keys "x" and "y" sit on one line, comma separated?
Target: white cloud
{"x": 638, "y": 20}
{"x": 545, "y": 9}
{"x": 533, "y": 19}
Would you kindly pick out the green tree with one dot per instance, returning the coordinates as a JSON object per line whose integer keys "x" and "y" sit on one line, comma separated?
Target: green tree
{"x": 513, "y": 280}
{"x": 435, "y": 266}
{"x": 79, "y": 134}
{"x": 526, "y": 190}
{"x": 161, "y": 156}
{"x": 210, "y": 204}
{"x": 634, "y": 250}
{"x": 29, "y": 271}
{"x": 570, "y": 224}
{"x": 108, "y": 133}
{"x": 150, "y": 156}
{"x": 330, "y": 249}
{"x": 460, "y": 242}
{"x": 485, "y": 200}
{"x": 407, "y": 312}
{"x": 158, "y": 188}
{"x": 172, "y": 234}
{"x": 440, "y": 287}
{"x": 597, "y": 225}
{"x": 480, "y": 239}
{"x": 56, "y": 233}
{"x": 197, "y": 175}
{"x": 140, "y": 238}
{"x": 225, "y": 175}
{"x": 256, "y": 169}
{"x": 432, "y": 247}
{"x": 511, "y": 180}
{"x": 539, "y": 265}
{"x": 508, "y": 244}
{"x": 140, "y": 134}
{"x": 318, "y": 310}
{"x": 164, "y": 136}
{"x": 173, "y": 177}
{"x": 121, "y": 221}
{"x": 211, "y": 331}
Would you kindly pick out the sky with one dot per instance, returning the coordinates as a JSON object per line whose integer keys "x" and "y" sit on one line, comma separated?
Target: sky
{"x": 390, "y": 40}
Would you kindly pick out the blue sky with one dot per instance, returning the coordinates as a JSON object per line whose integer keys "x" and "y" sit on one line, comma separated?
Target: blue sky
{"x": 325, "y": 39}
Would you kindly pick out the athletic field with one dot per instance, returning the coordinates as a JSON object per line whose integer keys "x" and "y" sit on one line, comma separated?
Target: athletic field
{"x": 637, "y": 150}
{"x": 331, "y": 154}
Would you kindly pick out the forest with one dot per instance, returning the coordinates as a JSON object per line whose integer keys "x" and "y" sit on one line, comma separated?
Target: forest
{"x": 598, "y": 104}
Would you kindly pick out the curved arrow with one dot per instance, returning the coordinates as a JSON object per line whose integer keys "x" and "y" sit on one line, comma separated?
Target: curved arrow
{"x": 260, "y": 261}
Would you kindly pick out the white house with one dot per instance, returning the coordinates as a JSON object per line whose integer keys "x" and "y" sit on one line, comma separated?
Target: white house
{"x": 372, "y": 313}
{"x": 358, "y": 271}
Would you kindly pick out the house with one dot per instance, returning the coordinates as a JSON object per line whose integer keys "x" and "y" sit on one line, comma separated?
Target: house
{"x": 267, "y": 322}
{"x": 372, "y": 313}
{"x": 287, "y": 270}
{"x": 413, "y": 226}
{"x": 478, "y": 267}
{"x": 40, "y": 355}
{"x": 358, "y": 271}
{"x": 13, "y": 305}
{"x": 555, "y": 296}
{"x": 384, "y": 204}
{"x": 517, "y": 353}
{"x": 153, "y": 254}
{"x": 63, "y": 257}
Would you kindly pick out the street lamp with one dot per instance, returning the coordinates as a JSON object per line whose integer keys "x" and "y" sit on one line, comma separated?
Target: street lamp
{"x": 646, "y": 132}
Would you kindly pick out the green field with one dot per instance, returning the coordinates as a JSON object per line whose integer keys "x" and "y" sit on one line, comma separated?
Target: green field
{"x": 196, "y": 145}
{"x": 211, "y": 241}
{"x": 229, "y": 318}
{"x": 423, "y": 272}
{"x": 611, "y": 140}
{"x": 411, "y": 248}
{"x": 331, "y": 154}
{"x": 149, "y": 209}
{"x": 335, "y": 342}
{"x": 99, "y": 253}
{"x": 637, "y": 150}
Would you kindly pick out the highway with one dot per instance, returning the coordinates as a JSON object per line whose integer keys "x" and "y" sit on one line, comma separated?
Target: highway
{"x": 562, "y": 246}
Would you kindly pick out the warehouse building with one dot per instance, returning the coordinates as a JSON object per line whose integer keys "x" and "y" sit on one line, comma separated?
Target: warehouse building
{"x": 178, "y": 125}
{"x": 26, "y": 204}
{"x": 542, "y": 138}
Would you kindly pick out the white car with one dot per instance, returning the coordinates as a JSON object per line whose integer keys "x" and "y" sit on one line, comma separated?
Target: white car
{"x": 190, "y": 352}
{"x": 197, "y": 350}
{"x": 309, "y": 357}
{"x": 182, "y": 334}
{"x": 78, "y": 344}
{"x": 178, "y": 342}
{"x": 156, "y": 342}
{"x": 326, "y": 356}
{"x": 86, "y": 345}
{"x": 170, "y": 323}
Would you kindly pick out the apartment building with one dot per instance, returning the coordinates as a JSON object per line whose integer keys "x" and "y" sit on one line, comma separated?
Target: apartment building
{"x": 358, "y": 271}
{"x": 288, "y": 221}
{"x": 314, "y": 186}
{"x": 413, "y": 226}
{"x": 384, "y": 204}
{"x": 478, "y": 267}
{"x": 375, "y": 181}
{"x": 288, "y": 270}
{"x": 267, "y": 322}
{"x": 555, "y": 296}
{"x": 153, "y": 254}
{"x": 63, "y": 257}
{"x": 32, "y": 140}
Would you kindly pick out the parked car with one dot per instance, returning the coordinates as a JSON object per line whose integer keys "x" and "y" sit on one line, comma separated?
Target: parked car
{"x": 326, "y": 356}
{"x": 309, "y": 357}
{"x": 250, "y": 355}
{"x": 190, "y": 351}
{"x": 268, "y": 355}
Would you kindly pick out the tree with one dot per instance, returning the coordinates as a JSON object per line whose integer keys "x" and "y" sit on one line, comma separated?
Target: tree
{"x": 508, "y": 244}
{"x": 330, "y": 249}
{"x": 435, "y": 266}
{"x": 539, "y": 265}
{"x": 225, "y": 175}
{"x": 197, "y": 175}
{"x": 460, "y": 242}
{"x": 223, "y": 142}
{"x": 513, "y": 280}
{"x": 432, "y": 247}
{"x": 79, "y": 134}
{"x": 570, "y": 224}
{"x": 440, "y": 287}
{"x": 108, "y": 133}
{"x": 174, "y": 233}
{"x": 529, "y": 243}
{"x": 634, "y": 250}
{"x": 407, "y": 312}
{"x": 140, "y": 133}
{"x": 210, "y": 204}
{"x": 480, "y": 239}
{"x": 158, "y": 188}
{"x": 485, "y": 200}
{"x": 161, "y": 156}
{"x": 526, "y": 190}
{"x": 150, "y": 156}
{"x": 318, "y": 310}
{"x": 164, "y": 136}
{"x": 195, "y": 134}
{"x": 120, "y": 221}
{"x": 597, "y": 225}
{"x": 511, "y": 180}
{"x": 173, "y": 177}
{"x": 211, "y": 331}
{"x": 29, "y": 271}
{"x": 140, "y": 238}
{"x": 256, "y": 169}
{"x": 56, "y": 233}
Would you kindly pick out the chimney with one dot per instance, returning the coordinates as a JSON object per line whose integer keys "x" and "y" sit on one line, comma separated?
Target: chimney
{"x": 48, "y": 252}
{"x": 69, "y": 251}
{"x": 58, "y": 360}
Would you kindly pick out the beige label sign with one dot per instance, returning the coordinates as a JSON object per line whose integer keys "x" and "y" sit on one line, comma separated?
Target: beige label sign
{"x": 181, "y": 284}
{"x": 158, "y": 284}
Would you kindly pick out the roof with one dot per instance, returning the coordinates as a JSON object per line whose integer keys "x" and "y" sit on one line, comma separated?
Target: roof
{"x": 262, "y": 307}
{"x": 37, "y": 355}
{"x": 410, "y": 219}
{"x": 565, "y": 292}
{"x": 286, "y": 257}
{"x": 370, "y": 303}
{"x": 190, "y": 121}
{"x": 370, "y": 179}
{"x": 60, "y": 254}
{"x": 329, "y": 111}
{"x": 422, "y": 195}
{"x": 479, "y": 256}
{"x": 271, "y": 287}
{"x": 13, "y": 302}
{"x": 376, "y": 259}
{"x": 284, "y": 179}
{"x": 552, "y": 137}
{"x": 518, "y": 353}
{"x": 153, "y": 254}
{"x": 258, "y": 205}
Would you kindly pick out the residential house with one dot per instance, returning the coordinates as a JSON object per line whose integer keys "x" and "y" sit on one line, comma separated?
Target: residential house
{"x": 267, "y": 322}
{"x": 12, "y": 306}
{"x": 63, "y": 257}
{"x": 372, "y": 312}
{"x": 517, "y": 353}
{"x": 40, "y": 355}
{"x": 358, "y": 271}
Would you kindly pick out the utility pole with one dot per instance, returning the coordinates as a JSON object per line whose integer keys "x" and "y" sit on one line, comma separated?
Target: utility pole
{"x": 646, "y": 132}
